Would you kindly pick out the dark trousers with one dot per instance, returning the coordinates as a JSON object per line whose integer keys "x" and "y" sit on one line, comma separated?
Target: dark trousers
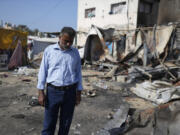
{"x": 63, "y": 100}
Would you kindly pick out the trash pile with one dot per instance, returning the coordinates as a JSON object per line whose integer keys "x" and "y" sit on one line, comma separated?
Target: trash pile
{"x": 145, "y": 62}
{"x": 151, "y": 63}
{"x": 35, "y": 63}
{"x": 26, "y": 71}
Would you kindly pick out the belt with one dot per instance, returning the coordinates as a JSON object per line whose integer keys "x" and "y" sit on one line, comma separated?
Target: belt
{"x": 63, "y": 87}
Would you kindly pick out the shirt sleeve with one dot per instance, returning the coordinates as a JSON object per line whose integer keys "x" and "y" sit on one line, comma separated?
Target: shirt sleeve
{"x": 79, "y": 74}
{"x": 43, "y": 72}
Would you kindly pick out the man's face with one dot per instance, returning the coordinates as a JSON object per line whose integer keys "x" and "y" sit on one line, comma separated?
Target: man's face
{"x": 65, "y": 41}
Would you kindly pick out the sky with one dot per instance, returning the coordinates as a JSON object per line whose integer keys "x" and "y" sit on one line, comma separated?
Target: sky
{"x": 45, "y": 15}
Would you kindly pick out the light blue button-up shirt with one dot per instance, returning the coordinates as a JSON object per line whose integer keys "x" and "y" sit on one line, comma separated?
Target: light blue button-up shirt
{"x": 60, "y": 67}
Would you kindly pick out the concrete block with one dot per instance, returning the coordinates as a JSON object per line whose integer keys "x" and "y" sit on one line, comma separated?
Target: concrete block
{"x": 120, "y": 78}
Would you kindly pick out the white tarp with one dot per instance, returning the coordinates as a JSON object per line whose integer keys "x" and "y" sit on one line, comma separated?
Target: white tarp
{"x": 157, "y": 91}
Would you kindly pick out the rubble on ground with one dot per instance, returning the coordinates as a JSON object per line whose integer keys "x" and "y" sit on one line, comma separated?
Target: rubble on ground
{"x": 26, "y": 71}
{"x": 147, "y": 69}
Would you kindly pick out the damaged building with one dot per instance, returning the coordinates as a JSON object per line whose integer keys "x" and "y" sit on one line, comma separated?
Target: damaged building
{"x": 138, "y": 41}
{"x": 124, "y": 14}
{"x": 120, "y": 27}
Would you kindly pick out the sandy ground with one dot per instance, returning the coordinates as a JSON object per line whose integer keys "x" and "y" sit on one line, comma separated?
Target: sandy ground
{"x": 17, "y": 117}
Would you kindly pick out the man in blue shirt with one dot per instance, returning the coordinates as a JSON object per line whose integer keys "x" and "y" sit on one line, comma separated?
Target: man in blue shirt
{"x": 61, "y": 70}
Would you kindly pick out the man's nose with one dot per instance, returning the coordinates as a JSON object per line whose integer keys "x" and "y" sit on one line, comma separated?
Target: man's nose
{"x": 68, "y": 43}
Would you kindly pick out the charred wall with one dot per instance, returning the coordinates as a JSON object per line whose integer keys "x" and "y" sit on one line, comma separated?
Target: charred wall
{"x": 147, "y": 12}
{"x": 169, "y": 11}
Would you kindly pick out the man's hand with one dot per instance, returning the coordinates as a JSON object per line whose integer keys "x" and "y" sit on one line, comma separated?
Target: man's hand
{"x": 78, "y": 97}
{"x": 41, "y": 97}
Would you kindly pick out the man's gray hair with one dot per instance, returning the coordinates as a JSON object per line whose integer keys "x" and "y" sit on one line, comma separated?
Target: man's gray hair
{"x": 68, "y": 30}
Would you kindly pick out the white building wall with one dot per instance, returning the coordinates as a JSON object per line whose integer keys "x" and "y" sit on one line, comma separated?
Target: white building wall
{"x": 126, "y": 19}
